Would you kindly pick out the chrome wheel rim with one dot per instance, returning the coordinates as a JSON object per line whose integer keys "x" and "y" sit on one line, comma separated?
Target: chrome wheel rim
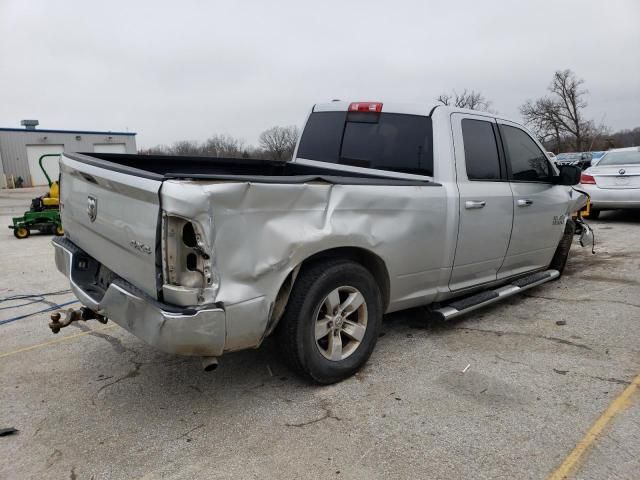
{"x": 340, "y": 323}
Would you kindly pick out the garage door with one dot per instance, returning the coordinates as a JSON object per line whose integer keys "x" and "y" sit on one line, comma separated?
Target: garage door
{"x": 34, "y": 152}
{"x": 109, "y": 148}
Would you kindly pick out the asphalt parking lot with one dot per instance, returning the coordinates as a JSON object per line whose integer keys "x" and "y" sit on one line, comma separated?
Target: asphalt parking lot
{"x": 538, "y": 396}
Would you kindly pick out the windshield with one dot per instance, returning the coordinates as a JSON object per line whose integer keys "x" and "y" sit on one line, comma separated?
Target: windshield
{"x": 568, "y": 156}
{"x": 385, "y": 141}
{"x": 629, "y": 157}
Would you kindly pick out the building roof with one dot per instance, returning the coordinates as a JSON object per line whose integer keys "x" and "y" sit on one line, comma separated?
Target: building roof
{"x": 44, "y": 130}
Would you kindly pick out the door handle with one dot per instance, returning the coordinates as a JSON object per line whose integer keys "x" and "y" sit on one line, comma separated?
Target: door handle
{"x": 525, "y": 203}
{"x": 471, "y": 204}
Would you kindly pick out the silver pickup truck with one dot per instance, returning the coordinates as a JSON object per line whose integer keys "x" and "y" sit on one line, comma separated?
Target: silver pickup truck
{"x": 382, "y": 208}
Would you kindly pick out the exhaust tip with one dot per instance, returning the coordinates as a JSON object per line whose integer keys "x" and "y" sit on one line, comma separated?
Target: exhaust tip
{"x": 209, "y": 364}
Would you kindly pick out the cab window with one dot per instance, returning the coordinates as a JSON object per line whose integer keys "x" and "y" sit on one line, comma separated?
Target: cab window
{"x": 480, "y": 150}
{"x": 528, "y": 163}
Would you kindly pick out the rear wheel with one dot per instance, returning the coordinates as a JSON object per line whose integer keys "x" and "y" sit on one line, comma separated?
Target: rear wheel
{"x": 21, "y": 232}
{"x": 559, "y": 260}
{"x": 332, "y": 321}
{"x": 58, "y": 230}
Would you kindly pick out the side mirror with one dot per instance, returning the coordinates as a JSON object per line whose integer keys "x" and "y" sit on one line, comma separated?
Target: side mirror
{"x": 569, "y": 175}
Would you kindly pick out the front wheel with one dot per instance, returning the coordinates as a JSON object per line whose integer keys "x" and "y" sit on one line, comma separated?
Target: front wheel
{"x": 559, "y": 260}
{"x": 332, "y": 320}
{"x": 21, "y": 232}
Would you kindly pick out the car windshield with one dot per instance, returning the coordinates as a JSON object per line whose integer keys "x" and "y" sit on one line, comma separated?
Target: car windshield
{"x": 568, "y": 156}
{"x": 629, "y": 157}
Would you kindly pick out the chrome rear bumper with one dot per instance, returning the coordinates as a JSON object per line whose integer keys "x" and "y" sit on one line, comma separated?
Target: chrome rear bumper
{"x": 176, "y": 330}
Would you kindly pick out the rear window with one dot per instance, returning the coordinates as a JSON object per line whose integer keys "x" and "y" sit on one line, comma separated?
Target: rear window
{"x": 630, "y": 157}
{"x": 385, "y": 141}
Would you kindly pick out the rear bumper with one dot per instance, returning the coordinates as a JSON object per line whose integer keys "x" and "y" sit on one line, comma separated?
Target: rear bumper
{"x": 603, "y": 198}
{"x": 175, "y": 330}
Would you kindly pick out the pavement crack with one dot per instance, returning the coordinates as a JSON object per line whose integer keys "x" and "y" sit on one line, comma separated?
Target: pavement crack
{"x": 328, "y": 413}
{"x": 192, "y": 430}
{"x": 518, "y": 363}
{"x": 531, "y": 335}
{"x": 134, "y": 372}
{"x": 619, "y": 381}
{"x": 197, "y": 389}
{"x": 54, "y": 457}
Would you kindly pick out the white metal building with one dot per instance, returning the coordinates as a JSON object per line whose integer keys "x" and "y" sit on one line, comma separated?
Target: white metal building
{"x": 21, "y": 148}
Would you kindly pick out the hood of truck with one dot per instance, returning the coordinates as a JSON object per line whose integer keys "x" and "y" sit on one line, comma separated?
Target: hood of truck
{"x": 114, "y": 217}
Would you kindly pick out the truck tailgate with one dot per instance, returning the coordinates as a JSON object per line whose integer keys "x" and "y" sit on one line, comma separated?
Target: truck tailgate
{"x": 113, "y": 216}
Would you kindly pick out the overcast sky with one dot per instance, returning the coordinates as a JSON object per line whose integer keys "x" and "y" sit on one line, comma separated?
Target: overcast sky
{"x": 188, "y": 69}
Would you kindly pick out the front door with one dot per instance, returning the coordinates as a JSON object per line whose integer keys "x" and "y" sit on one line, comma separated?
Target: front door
{"x": 540, "y": 206}
{"x": 486, "y": 202}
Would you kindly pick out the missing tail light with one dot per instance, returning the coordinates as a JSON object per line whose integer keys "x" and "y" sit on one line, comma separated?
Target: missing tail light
{"x": 188, "y": 275}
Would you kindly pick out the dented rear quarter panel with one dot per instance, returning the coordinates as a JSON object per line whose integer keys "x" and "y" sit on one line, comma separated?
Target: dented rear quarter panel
{"x": 261, "y": 232}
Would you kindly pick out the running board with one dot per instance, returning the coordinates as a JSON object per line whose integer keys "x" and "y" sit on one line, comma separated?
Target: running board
{"x": 468, "y": 304}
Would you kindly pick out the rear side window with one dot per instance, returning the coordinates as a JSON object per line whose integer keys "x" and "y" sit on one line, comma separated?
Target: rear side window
{"x": 480, "y": 150}
{"x": 385, "y": 141}
{"x": 528, "y": 163}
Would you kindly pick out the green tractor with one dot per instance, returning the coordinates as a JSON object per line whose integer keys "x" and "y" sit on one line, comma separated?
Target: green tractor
{"x": 44, "y": 214}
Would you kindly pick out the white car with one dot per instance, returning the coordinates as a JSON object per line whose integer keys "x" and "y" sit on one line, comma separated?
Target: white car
{"x": 615, "y": 182}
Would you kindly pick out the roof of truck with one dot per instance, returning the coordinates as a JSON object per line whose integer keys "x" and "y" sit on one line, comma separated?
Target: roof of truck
{"x": 425, "y": 109}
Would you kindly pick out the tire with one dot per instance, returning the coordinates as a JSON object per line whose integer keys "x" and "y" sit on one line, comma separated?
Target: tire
{"x": 58, "y": 230}
{"x": 559, "y": 260}
{"x": 319, "y": 291}
{"x": 594, "y": 214}
{"x": 21, "y": 232}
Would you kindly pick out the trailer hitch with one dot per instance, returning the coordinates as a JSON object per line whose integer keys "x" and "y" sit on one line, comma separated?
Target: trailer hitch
{"x": 71, "y": 316}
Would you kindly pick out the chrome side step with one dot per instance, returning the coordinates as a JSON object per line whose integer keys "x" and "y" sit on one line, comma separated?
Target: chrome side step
{"x": 479, "y": 300}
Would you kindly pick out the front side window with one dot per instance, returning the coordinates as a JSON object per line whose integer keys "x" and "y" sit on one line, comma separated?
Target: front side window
{"x": 528, "y": 163}
{"x": 480, "y": 150}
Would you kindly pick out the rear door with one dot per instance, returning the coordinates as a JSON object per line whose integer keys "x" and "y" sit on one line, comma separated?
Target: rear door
{"x": 540, "y": 206}
{"x": 486, "y": 203}
{"x": 113, "y": 216}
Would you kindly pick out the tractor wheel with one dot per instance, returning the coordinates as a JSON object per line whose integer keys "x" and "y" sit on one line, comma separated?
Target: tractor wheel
{"x": 58, "y": 230}
{"x": 21, "y": 232}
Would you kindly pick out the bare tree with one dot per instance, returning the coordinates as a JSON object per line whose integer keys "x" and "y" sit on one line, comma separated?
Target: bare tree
{"x": 561, "y": 112}
{"x": 215, "y": 146}
{"x": 223, "y": 146}
{"x": 467, "y": 99}
{"x": 542, "y": 118}
{"x": 185, "y": 147}
{"x": 624, "y": 138}
{"x": 569, "y": 97}
{"x": 279, "y": 142}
